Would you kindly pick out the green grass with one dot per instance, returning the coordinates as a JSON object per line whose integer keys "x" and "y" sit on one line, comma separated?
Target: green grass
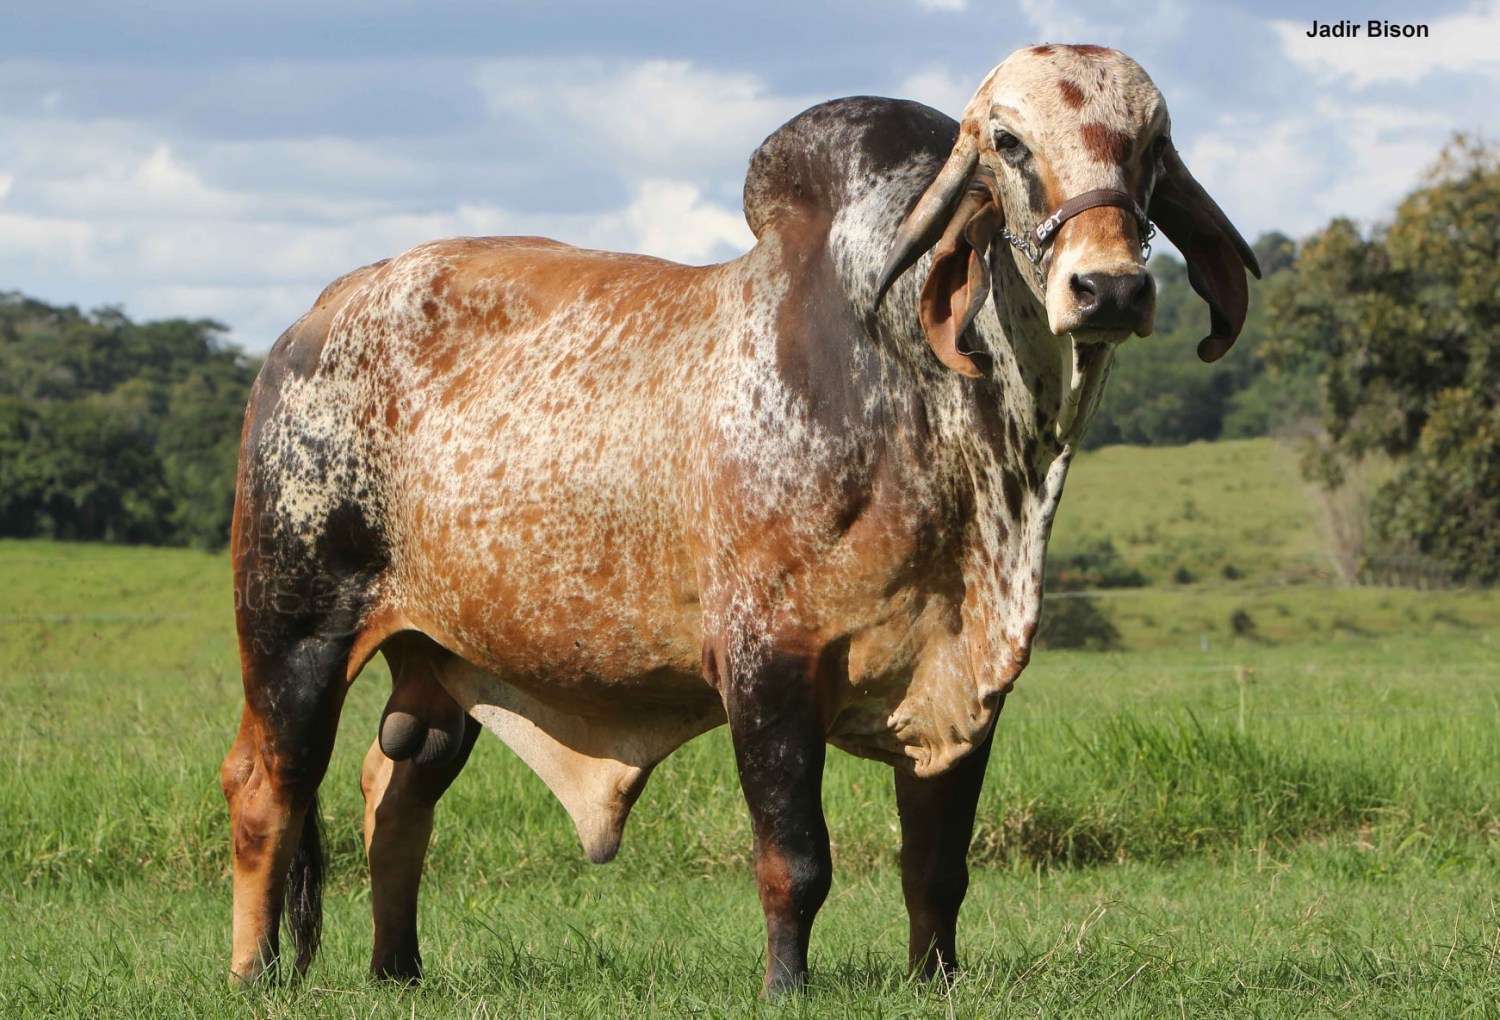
{"x": 1224, "y": 527}
{"x": 1302, "y": 823}
{"x": 1203, "y": 507}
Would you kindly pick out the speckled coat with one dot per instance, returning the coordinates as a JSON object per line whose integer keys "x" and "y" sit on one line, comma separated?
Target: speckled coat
{"x": 599, "y": 503}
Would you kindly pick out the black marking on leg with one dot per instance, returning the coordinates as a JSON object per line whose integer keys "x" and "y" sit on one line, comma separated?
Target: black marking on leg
{"x": 779, "y": 741}
{"x": 937, "y": 825}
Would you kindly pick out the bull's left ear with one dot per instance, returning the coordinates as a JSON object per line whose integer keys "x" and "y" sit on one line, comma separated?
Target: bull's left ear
{"x": 1217, "y": 256}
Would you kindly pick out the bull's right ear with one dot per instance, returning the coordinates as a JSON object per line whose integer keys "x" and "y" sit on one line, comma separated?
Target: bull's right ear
{"x": 958, "y": 284}
{"x": 959, "y": 213}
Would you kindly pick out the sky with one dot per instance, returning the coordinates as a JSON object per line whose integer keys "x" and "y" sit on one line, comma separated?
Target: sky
{"x": 204, "y": 159}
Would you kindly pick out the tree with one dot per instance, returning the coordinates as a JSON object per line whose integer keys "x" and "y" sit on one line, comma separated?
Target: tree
{"x": 1444, "y": 502}
{"x": 116, "y": 430}
{"x": 1402, "y": 329}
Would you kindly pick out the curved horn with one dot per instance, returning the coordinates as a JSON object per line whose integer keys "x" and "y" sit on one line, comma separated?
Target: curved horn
{"x": 925, "y": 224}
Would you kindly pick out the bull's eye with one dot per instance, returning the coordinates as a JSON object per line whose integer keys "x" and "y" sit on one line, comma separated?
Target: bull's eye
{"x": 1010, "y": 148}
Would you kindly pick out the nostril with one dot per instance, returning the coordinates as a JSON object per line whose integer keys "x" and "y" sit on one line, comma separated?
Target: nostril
{"x": 1085, "y": 291}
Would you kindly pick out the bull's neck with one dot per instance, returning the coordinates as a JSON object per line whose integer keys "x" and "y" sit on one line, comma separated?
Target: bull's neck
{"x": 1012, "y": 434}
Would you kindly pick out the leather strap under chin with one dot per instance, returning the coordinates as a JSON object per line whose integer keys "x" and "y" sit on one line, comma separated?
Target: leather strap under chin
{"x": 1047, "y": 229}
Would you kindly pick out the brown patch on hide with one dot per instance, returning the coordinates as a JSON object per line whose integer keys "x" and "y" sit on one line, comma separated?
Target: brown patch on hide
{"x": 1090, "y": 50}
{"x": 1107, "y": 144}
{"x": 1072, "y": 95}
{"x": 1052, "y": 194}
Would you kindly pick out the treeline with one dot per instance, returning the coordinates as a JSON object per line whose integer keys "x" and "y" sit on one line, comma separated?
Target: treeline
{"x": 115, "y": 430}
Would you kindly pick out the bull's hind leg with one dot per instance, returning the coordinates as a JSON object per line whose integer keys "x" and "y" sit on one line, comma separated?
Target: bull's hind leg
{"x": 399, "y": 800}
{"x": 294, "y": 689}
{"x": 937, "y": 824}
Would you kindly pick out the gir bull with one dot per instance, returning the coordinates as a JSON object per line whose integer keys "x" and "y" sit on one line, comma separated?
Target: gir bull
{"x": 599, "y": 504}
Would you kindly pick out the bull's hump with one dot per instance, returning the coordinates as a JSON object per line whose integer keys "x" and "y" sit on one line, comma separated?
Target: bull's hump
{"x": 811, "y": 166}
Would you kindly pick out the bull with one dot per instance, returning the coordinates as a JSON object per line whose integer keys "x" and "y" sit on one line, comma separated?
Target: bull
{"x": 600, "y": 503}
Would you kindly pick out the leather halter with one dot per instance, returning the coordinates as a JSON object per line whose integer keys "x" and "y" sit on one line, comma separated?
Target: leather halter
{"x": 1047, "y": 229}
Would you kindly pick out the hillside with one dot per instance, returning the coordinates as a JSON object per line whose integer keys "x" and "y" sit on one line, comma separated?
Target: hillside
{"x": 1227, "y": 528}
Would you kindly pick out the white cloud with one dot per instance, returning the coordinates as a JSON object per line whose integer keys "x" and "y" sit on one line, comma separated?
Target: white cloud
{"x": 672, "y": 220}
{"x": 943, "y": 5}
{"x": 248, "y": 230}
{"x": 657, "y": 117}
{"x": 1055, "y": 22}
{"x": 155, "y": 182}
{"x": 1136, "y": 26}
{"x": 1332, "y": 158}
{"x": 236, "y": 257}
{"x": 1459, "y": 43}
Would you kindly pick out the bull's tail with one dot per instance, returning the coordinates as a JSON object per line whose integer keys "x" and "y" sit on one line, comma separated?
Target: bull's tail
{"x": 304, "y": 889}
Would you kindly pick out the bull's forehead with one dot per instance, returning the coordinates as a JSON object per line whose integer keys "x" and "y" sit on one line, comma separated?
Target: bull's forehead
{"x": 1074, "y": 105}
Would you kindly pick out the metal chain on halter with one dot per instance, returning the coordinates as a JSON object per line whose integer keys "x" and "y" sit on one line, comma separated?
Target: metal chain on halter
{"x": 1033, "y": 254}
{"x": 1048, "y": 227}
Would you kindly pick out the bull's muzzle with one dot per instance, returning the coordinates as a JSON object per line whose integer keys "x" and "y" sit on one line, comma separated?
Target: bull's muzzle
{"x": 1101, "y": 305}
{"x": 1114, "y": 302}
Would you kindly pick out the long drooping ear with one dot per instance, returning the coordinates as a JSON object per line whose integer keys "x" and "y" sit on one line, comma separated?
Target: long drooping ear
{"x": 958, "y": 284}
{"x": 1217, "y": 256}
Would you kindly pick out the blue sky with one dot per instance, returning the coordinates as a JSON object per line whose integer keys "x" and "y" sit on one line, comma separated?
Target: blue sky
{"x": 191, "y": 157}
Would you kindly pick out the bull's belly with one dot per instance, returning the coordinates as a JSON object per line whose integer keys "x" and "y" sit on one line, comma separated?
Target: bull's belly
{"x": 597, "y": 612}
{"x": 595, "y": 625}
{"x": 586, "y": 658}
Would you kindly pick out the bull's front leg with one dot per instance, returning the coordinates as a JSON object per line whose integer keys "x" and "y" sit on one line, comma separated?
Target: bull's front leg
{"x": 937, "y": 824}
{"x": 779, "y": 731}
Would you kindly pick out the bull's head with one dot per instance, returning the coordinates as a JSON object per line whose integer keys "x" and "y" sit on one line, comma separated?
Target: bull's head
{"x": 1066, "y": 153}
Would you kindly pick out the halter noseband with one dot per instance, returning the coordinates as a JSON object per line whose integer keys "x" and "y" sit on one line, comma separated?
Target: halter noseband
{"x": 1035, "y": 243}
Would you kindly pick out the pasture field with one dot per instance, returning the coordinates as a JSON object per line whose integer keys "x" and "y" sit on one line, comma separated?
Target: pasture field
{"x": 1302, "y": 822}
